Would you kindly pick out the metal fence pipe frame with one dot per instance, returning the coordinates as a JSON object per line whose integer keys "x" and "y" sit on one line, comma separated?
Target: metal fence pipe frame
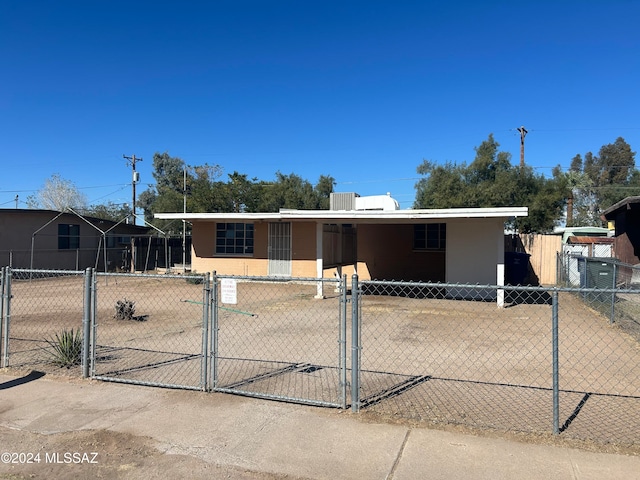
{"x": 86, "y": 323}
{"x": 343, "y": 341}
{"x": 555, "y": 367}
{"x": 94, "y": 326}
{"x": 355, "y": 344}
{"x": 6, "y": 315}
{"x": 2, "y": 303}
{"x": 213, "y": 333}
{"x": 206, "y": 293}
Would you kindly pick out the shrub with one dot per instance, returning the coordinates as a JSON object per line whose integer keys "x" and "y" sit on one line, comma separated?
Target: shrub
{"x": 67, "y": 348}
{"x": 125, "y": 309}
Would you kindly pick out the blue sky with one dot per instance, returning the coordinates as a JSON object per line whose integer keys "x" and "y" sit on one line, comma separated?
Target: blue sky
{"x": 359, "y": 90}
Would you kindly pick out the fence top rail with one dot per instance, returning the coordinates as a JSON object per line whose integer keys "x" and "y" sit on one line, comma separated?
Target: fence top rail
{"x": 511, "y": 288}
{"x": 279, "y": 279}
{"x": 152, "y": 275}
{"x": 48, "y": 272}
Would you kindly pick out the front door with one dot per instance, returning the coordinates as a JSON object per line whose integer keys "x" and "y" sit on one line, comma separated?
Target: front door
{"x": 280, "y": 249}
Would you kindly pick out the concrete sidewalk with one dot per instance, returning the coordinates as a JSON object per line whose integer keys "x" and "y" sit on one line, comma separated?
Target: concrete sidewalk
{"x": 279, "y": 440}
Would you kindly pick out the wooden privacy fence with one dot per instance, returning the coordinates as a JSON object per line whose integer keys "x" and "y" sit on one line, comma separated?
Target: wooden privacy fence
{"x": 543, "y": 250}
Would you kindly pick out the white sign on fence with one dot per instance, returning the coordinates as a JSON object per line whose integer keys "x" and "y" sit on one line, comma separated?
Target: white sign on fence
{"x": 229, "y": 288}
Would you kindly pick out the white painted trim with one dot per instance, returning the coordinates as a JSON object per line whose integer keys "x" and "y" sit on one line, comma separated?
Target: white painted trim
{"x": 353, "y": 216}
{"x": 319, "y": 259}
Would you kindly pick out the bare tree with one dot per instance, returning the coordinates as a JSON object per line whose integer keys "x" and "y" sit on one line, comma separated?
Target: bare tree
{"x": 58, "y": 194}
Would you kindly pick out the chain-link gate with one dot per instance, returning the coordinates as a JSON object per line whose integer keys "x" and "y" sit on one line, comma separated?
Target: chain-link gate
{"x": 151, "y": 329}
{"x": 280, "y": 339}
{"x": 42, "y": 320}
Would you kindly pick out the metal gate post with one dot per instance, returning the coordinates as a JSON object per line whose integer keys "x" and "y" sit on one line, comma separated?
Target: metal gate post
{"x": 93, "y": 320}
{"x": 556, "y": 384}
{"x": 6, "y": 315}
{"x": 612, "y": 318}
{"x": 2, "y": 282}
{"x": 355, "y": 344}
{"x": 206, "y": 292}
{"x": 343, "y": 341}
{"x": 86, "y": 324}
{"x": 213, "y": 332}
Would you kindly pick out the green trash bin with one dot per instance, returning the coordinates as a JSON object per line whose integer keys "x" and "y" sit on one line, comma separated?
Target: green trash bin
{"x": 599, "y": 273}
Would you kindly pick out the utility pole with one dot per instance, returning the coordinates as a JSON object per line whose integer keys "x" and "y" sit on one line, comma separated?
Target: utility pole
{"x": 523, "y": 133}
{"x": 135, "y": 178}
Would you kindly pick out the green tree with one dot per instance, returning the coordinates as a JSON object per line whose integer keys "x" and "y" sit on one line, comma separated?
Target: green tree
{"x": 206, "y": 193}
{"x": 109, "y": 211}
{"x": 600, "y": 181}
{"x": 175, "y": 180}
{"x": 292, "y": 191}
{"x": 491, "y": 181}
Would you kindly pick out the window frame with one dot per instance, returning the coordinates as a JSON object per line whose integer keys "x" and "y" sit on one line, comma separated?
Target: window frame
{"x": 234, "y": 241}
{"x": 68, "y": 236}
{"x": 430, "y": 237}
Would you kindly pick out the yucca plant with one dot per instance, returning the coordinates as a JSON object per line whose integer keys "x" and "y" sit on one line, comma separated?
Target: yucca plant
{"x": 66, "y": 348}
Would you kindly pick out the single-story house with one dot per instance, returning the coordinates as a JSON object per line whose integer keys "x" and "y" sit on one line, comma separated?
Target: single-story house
{"x": 48, "y": 239}
{"x": 367, "y": 235}
{"x": 626, "y": 216}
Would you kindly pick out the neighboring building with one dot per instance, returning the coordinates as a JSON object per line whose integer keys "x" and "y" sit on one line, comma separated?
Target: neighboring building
{"x": 581, "y": 242}
{"x": 47, "y": 239}
{"x": 626, "y": 216}
{"x": 567, "y": 232}
{"x": 367, "y": 235}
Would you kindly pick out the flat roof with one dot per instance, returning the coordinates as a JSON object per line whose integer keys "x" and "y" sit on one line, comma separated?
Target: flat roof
{"x": 354, "y": 216}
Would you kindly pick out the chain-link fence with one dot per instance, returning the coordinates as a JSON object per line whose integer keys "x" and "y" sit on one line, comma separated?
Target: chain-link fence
{"x": 42, "y": 319}
{"x": 549, "y": 360}
{"x": 151, "y": 329}
{"x": 281, "y": 339}
{"x": 605, "y": 275}
{"x": 562, "y": 360}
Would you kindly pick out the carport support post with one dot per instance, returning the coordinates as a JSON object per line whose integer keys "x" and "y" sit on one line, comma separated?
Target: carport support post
{"x": 355, "y": 345}
{"x": 86, "y": 324}
{"x": 556, "y": 387}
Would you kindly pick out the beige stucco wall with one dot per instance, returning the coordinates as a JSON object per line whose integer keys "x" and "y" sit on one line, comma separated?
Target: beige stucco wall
{"x": 204, "y": 259}
{"x": 474, "y": 248}
{"x": 303, "y": 251}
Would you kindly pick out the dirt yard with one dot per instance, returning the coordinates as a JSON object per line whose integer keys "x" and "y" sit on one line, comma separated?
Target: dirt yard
{"x": 430, "y": 358}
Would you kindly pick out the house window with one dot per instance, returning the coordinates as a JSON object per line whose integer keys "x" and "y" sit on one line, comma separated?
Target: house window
{"x": 430, "y": 236}
{"x": 68, "y": 237}
{"x": 234, "y": 238}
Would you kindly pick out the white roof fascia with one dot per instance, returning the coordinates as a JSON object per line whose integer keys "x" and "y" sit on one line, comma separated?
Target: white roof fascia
{"x": 217, "y": 216}
{"x": 379, "y": 215}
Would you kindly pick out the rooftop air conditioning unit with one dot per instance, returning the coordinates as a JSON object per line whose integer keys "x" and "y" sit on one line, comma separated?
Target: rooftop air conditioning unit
{"x": 343, "y": 201}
